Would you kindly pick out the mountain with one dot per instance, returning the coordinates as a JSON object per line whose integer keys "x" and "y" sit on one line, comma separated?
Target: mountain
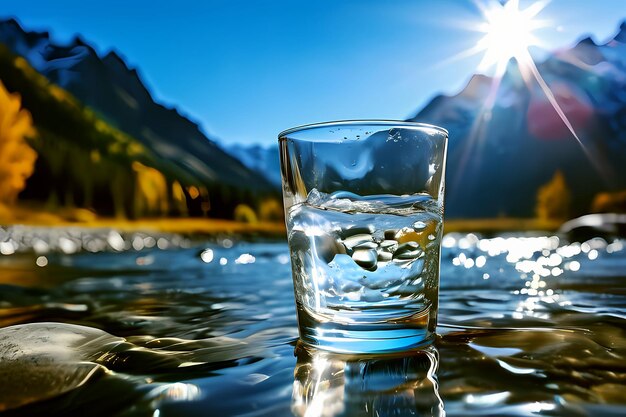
{"x": 506, "y": 140}
{"x": 499, "y": 157}
{"x": 80, "y": 159}
{"x": 262, "y": 159}
{"x": 118, "y": 96}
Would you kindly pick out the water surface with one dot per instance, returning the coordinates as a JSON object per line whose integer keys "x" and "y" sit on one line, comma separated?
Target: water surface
{"x": 529, "y": 325}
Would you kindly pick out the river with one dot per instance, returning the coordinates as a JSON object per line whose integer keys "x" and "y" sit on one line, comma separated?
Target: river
{"x": 529, "y": 324}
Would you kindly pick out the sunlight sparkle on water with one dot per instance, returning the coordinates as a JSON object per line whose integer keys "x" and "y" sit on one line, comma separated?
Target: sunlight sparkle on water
{"x": 42, "y": 261}
{"x": 207, "y": 255}
{"x": 542, "y": 262}
{"x": 574, "y": 266}
{"x": 487, "y": 399}
{"x": 245, "y": 258}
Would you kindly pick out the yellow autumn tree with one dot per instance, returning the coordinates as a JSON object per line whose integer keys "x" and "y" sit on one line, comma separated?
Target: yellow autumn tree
{"x": 270, "y": 210}
{"x": 244, "y": 213}
{"x": 179, "y": 199}
{"x": 553, "y": 199}
{"x": 17, "y": 158}
{"x": 609, "y": 202}
{"x": 150, "y": 192}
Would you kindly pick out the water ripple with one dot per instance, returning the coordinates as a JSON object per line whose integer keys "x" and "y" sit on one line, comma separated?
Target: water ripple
{"x": 528, "y": 324}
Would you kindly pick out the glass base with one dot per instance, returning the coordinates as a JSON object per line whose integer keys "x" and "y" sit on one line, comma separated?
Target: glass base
{"x": 363, "y": 338}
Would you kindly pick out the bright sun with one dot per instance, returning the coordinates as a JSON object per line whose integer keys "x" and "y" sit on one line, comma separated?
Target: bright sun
{"x": 508, "y": 32}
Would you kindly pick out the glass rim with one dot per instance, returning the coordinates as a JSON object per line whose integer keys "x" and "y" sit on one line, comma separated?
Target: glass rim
{"x": 364, "y": 122}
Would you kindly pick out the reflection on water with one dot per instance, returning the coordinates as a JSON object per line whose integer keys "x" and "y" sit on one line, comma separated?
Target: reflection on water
{"x": 529, "y": 325}
{"x": 329, "y": 384}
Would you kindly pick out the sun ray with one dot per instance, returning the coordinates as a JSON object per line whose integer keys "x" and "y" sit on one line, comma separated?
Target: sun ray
{"x": 479, "y": 125}
{"x": 529, "y": 63}
{"x": 508, "y": 34}
{"x": 477, "y": 49}
{"x": 534, "y": 9}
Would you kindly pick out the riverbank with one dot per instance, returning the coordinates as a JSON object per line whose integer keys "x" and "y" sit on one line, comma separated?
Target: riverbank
{"x": 499, "y": 225}
{"x": 31, "y": 216}
{"x": 21, "y": 215}
{"x": 208, "y": 226}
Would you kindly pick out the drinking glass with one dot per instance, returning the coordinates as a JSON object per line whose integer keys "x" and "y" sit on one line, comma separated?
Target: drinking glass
{"x": 364, "y": 215}
{"x": 328, "y": 384}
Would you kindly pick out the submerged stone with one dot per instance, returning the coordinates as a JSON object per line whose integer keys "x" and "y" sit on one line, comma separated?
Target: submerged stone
{"x": 366, "y": 245}
{"x": 365, "y": 258}
{"x": 384, "y": 256}
{"x": 358, "y": 230}
{"x": 390, "y": 234}
{"x": 356, "y": 240}
{"x": 327, "y": 247}
{"x": 389, "y": 245}
{"x": 408, "y": 250}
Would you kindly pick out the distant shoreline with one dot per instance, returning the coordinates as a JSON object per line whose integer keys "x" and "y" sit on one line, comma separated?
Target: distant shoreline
{"x": 183, "y": 226}
{"x": 500, "y": 224}
{"x": 81, "y": 218}
{"x": 212, "y": 226}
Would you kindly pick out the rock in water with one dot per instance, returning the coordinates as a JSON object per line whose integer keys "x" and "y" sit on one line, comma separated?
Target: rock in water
{"x": 365, "y": 258}
{"x": 42, "y": 360}
{"x": 356, "y": 240}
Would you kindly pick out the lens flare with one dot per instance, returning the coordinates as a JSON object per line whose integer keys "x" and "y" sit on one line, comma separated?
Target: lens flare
{"x": 508, "y": 34}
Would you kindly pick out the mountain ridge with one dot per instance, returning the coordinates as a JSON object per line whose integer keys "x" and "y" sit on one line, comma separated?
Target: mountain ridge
{"x": 116, "y": 92}
{"x": 498, "y": 157}
{"x": 502, "y": 173}
{"x": 521, "y": 142}
{"x": 585, "y": 40}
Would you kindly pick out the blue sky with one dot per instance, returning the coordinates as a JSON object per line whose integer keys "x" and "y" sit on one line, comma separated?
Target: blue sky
{"x": 245, "y": 70}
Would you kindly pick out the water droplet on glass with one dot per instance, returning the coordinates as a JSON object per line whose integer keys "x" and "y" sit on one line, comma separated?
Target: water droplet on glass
{"x": 419, "y": 225}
